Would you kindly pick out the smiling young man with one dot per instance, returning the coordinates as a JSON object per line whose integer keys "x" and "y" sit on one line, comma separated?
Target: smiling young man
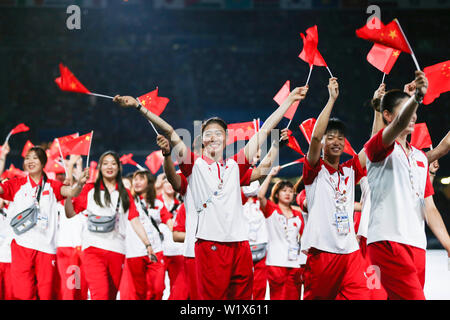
{"x": 334, "y": 268}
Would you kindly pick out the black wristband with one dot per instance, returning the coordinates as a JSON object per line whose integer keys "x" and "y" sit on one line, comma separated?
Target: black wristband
{"x": 167, "y": 154}
{"x": 139, "y": 107}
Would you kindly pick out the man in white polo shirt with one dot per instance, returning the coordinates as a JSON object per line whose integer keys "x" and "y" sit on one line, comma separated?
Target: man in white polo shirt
{"x": 334, "y": 268}
{"x": 401, "y": 198}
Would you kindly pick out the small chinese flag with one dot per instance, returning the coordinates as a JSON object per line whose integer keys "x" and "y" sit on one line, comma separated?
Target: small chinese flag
{"x": 389, "y": 35}
{"x": 420, "y": 137}
{"x": 19, "y": 128}
{"x": 128, "y": 159}
{"x": 153, "y": 103}
{"x": 77, "y": 146}
{"x": 13, "y": 172}
{"x": 240, "y": 131}
{"x": 54, "y": 166}
{"x": 438, "y": 76}
{"x": 307, "y": 127}
{"x": 68, "y": 82}
{"x": 154, "y": 161}
{"x": 383, "y": 58}
{"x": 310, "y": 53}
{"x": 293, "y": 143}
{"x": 282, "y": 95}
{"x": 53, "y": 152}
{"x": 28, "y": 145}
{"x": 348, "y": 148}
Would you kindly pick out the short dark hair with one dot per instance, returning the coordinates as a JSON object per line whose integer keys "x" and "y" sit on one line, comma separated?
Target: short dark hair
{"x": 212, "y": 120}
{"x": 391, "y": 100}
{"x": 335, "y": 124}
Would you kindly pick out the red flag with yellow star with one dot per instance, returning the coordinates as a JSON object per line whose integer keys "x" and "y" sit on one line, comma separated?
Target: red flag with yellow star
{"x": 68, "y": 82}
{"x": 383, "y": 58}
{"x": 153, "y": 103}
{"x": 438, "y": 76}
{"x": 390, "y": 35}
{"x": 78, "y": 146}
{"x": 240, "y": 131}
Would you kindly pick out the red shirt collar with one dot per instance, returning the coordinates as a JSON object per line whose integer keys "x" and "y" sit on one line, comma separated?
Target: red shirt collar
{"x": 34, "y": 184}
{"x": 331, "y": 169}
{"x": 210, "y": 161}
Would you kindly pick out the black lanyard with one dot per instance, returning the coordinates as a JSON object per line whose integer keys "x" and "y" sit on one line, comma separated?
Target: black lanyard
{"x": 40, "y": 188}
{"x": 161, "y": 236}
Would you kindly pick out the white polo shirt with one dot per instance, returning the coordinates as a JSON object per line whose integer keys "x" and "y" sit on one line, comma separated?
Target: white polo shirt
{"x": 320, "y": 182}
{"x": 22, "y": 194}
{"x": 397, "y": 211}
{"x": 283, "y": 233}
{"x": 111, "y": 241}
{"x": 134, "y": 246}
{"x": 257, "y": 226}
{"x": 69, "y": 229}
{"x": 216, "y": 197}
{"x": 6, "y": 236}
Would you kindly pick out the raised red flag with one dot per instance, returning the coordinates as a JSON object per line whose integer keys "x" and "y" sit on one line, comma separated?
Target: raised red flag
{"x": 53, "y": 151}
{"x": 389, "y": 35}
{"x": 310, "y": 53}
{"x": 438, "y": 76}
{"x": 383, "y": 58}
{"x": 153, "y": 103}
{"x": 128, "y": 159}
{"x": 28, "y": 145}
{"x": 293, "y": 143}
{"x": 19, "y": 128}
{"x": 240, "y": 131}
{"x": 420, "y": 137}
{"x": 68, "y": 82}
{"x": 154, "y": 161}
{"x": 307, "y": 127}
{"x": 281, "y": 95}
{"x": 77, "y": 146}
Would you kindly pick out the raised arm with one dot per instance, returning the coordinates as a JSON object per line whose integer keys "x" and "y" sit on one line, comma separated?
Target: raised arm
{"x": 3, "y": 154}
{"x": 264, "y": 167}
{"x": 265, "y": 186}
{"x": 74, "y": 190}
{"x": 378, "y": 123}
{"x": 401, "y": 121}
{"x": 168, "y": 165}
{"x": 175, "y": 140}
{"x": 441, "y": 150}
{"x": 320, "y": 127}
{"x": 257, "y": 140}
